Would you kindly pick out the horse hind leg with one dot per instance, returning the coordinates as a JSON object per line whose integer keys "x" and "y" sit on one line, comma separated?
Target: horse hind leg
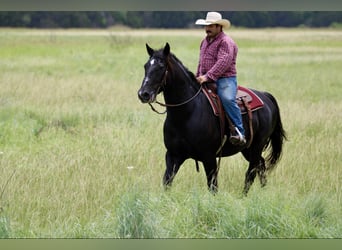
{"x": 254, "y": 170}
{"x": 261, "y": 171}
{"x": 249, "y": 177}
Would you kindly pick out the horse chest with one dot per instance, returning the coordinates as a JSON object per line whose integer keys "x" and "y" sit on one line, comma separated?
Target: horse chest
{"x": 187, "y": 138}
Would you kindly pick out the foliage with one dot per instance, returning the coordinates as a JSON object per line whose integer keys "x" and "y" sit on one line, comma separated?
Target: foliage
{"x": 165, "y": 19}
{"x": 4, "y": 227}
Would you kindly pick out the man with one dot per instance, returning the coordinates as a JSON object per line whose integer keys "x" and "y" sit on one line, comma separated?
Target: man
{"x": 217, "y": 62}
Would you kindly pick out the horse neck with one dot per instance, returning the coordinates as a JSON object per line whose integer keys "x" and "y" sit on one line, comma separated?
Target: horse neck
{"x": 180, "y": 85}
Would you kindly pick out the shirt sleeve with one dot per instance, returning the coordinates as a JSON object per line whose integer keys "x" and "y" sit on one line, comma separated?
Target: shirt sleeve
{"x": 224, "y": 61}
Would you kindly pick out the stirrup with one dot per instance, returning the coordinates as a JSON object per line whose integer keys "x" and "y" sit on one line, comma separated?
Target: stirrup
{"x": 239, "y": 133}
{"x": 238, "y": 140}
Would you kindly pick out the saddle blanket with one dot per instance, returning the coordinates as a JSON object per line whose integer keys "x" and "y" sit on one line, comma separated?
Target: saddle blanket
{"x": 252, "y": 99}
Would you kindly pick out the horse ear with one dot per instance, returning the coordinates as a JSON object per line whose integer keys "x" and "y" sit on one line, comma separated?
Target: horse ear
{"x": 166, "y": 49}
{"x": 150, "y": 51}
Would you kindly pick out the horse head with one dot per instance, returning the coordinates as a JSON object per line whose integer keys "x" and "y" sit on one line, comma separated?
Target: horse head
{"x": 155, "y": 74}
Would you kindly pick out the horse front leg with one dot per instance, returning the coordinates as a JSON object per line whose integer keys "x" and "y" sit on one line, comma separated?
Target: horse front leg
{"x": 211, "y": 171}
{"x": 173, "y": 164}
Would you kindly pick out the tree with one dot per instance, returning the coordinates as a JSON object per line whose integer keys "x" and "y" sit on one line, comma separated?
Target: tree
{"x": 165, "y": 19}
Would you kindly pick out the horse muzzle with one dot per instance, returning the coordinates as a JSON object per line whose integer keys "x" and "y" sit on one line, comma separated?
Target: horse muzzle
{"x": 146, "y": 96}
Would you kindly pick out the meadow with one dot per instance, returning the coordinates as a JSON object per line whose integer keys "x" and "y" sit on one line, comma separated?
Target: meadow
{"x": 81, "y": 157}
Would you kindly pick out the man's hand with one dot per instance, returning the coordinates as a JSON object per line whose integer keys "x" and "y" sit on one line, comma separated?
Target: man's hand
{"x": 202, "y": 79}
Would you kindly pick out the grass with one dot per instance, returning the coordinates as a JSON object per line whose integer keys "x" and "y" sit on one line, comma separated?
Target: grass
{"x": 81, "y": 157}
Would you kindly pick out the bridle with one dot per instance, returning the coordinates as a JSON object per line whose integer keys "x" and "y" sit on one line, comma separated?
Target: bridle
{"x": 173, "y": 104}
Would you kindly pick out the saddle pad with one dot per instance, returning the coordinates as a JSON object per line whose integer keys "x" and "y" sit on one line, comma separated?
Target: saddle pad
{"x": 253, "y": 100}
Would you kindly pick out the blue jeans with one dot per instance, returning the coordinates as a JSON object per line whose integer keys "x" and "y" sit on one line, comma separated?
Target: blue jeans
{"x": 226, "y": 89}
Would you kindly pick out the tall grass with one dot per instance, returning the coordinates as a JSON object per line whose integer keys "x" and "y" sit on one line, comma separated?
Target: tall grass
{"x": 84, "y": 158}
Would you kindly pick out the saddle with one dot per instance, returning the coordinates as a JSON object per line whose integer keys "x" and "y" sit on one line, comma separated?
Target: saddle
{"x": 246, "y": 99}
{"x": 243, "y": 95}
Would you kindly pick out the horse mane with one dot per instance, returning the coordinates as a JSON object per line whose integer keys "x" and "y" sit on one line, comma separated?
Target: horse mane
{"x": 179, "y": 62}
{"x": 172, "y": 57}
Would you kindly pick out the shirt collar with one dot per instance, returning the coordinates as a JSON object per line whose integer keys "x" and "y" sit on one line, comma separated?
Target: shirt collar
{"x": 215, "y": 38}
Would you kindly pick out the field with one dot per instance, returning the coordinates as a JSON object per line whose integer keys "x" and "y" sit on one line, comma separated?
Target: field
{"x": 81, "y": 157}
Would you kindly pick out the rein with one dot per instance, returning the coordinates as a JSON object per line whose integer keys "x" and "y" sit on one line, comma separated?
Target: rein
{"x": 173, "y": 105}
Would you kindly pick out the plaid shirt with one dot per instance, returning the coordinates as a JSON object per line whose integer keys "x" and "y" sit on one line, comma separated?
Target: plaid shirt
{"x": 218, "y": 57}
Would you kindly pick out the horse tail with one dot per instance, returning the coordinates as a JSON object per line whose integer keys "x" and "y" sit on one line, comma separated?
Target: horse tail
{"x": 276, "y": 139}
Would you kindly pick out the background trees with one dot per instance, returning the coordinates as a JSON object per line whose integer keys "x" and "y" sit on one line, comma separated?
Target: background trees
{"x": 166, "y": 19}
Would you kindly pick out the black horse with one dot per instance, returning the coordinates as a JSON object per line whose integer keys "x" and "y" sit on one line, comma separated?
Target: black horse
{"x": 191, "y": 130}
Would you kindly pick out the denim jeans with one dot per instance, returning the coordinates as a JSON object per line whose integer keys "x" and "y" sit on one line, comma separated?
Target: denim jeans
{"x": 226, "y": 89}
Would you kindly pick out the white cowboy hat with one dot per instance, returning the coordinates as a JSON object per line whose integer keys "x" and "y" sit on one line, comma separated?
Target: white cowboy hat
{"x": 214, "y": 18}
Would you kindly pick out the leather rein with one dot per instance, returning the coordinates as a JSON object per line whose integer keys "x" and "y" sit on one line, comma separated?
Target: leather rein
{"x": 169, "y": 104}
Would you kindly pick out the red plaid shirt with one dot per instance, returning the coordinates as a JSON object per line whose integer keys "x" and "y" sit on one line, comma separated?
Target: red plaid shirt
{"x": 218, "y": 57}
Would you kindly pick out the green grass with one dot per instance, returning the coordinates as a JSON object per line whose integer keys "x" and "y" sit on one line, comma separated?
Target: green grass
{"x": 81, "y": 157}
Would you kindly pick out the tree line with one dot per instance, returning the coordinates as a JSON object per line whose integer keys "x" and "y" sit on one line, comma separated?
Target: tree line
{"x": 166, "y": 19}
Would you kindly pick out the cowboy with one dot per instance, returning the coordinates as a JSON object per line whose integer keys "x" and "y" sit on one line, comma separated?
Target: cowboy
{"x": 217, "y": 63}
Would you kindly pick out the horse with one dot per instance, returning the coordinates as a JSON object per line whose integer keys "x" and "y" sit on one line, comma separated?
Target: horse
{"x": 192, "y": 131}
